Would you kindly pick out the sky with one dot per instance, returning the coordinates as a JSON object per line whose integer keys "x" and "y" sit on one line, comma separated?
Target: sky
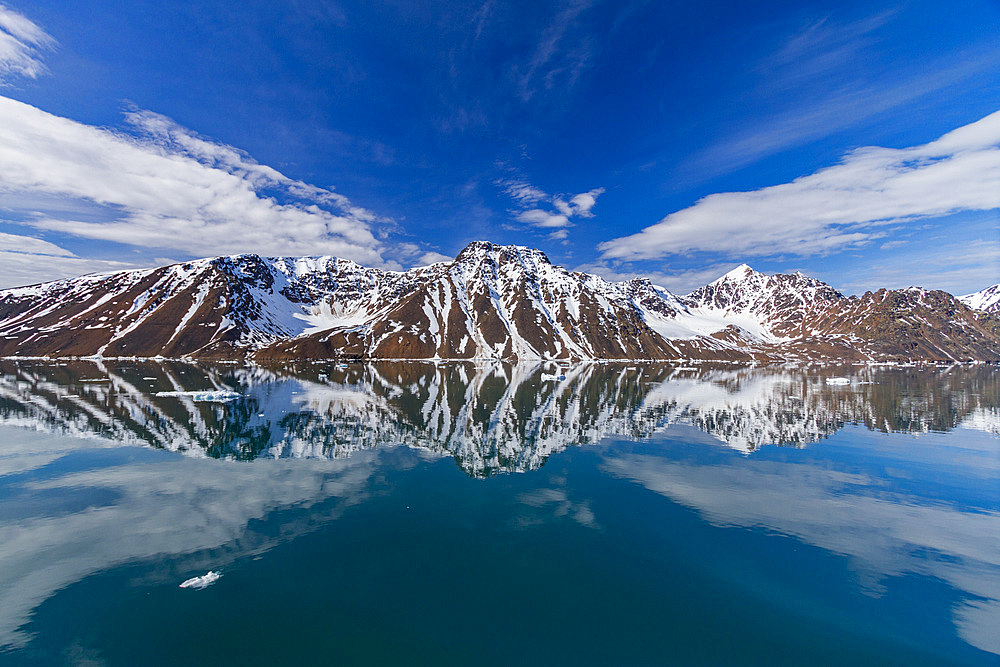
{"x": 857, "y": 142}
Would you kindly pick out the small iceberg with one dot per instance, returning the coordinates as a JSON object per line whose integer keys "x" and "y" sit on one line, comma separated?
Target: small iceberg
{"x": 206, "y": 396}
{"x": 838, "y": 380}
{"x": 203, "y": 581}
{"x": 546, "y": 377}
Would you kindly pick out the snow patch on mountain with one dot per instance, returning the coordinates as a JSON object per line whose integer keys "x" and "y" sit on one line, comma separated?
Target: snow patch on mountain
{"x": 987, "y": 299}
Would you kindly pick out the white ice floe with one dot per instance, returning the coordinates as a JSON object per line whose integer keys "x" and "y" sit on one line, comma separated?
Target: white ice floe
{"x": 207, "y": 396}
{"x": 203, "y": 581}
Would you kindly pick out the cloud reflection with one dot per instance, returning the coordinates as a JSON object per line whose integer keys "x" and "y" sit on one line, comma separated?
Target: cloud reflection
{"x": 146, "y": 511}
{"x": 816, "y": 502}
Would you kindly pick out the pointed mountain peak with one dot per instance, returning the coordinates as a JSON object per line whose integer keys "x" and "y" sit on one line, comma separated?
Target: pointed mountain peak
{"x": 741, "y": 272}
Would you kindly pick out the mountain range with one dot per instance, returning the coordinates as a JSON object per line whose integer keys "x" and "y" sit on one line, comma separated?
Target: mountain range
{"x": 490, "y": 302}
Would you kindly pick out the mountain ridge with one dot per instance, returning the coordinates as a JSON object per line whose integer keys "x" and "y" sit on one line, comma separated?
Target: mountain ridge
{"x": 490, "y": 302}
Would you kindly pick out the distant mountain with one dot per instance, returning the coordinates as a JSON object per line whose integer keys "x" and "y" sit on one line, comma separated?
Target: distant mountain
{"x": 490, "y": 302}
{"x": 987, "y": 300}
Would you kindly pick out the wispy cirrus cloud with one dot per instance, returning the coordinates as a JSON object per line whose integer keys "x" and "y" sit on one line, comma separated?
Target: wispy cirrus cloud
{"x": 826, "y": 77}
{"x": 522, "y": 192}
{"x": 551, "y": 60}
{"x": 839, "y": 207}
{"x": 21, "y": 45}
{"x": 818, "y": 49}
{"x": 163, "y": 186}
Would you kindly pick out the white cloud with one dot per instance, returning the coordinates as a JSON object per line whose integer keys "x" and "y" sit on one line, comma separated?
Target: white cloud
{"x": 29, "y": 245}
{"x": 172, "y": 189}
{"x": 837, "y": 207}
{"x": 415, "y": 255}
{"x": 584, "y": 202}
{"x": 537, "y": 206}
{"x": 18, "y": 268}
{"x": 164, "y": 133}
{"x": 25, "y": 260}
{"x": 540, "y": 218}
{"x": 431, "y": 257}
{"x": 20, "y": 44}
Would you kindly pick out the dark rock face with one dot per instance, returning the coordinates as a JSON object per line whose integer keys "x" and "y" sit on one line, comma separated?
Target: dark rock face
{"x": 915, "y": 323}
{"x": 499, "y": 302}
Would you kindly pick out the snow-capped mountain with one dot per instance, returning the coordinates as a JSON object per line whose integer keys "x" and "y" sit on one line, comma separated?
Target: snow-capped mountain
{"x": 503, "y": 302}
{"x": 490, "y": 302}
{"x": 987, "y": 300}
{"x": 772, "y": 308}
{"x": 211, "y": 307}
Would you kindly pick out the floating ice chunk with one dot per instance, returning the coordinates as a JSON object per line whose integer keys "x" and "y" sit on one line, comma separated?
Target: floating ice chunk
{"x": 213, "y": 396}
{"x": 838, "y": 380}
{"x": 203, "y": 581}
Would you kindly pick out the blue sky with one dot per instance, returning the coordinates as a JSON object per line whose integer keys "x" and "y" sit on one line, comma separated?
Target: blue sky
{"x": 855, "y": 142}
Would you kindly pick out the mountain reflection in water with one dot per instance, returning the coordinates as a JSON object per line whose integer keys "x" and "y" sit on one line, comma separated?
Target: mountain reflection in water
{"x": 873, "y": 547}
{"x": 491, "y": 418}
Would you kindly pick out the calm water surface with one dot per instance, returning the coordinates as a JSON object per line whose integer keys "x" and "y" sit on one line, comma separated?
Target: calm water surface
{"x": 411, "y": 513}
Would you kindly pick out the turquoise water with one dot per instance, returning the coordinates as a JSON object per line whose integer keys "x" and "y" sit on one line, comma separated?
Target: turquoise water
{"x": 463, "y": 514}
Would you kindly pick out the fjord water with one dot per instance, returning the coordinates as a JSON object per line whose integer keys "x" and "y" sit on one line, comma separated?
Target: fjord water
{"x": 423, "y": 513}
